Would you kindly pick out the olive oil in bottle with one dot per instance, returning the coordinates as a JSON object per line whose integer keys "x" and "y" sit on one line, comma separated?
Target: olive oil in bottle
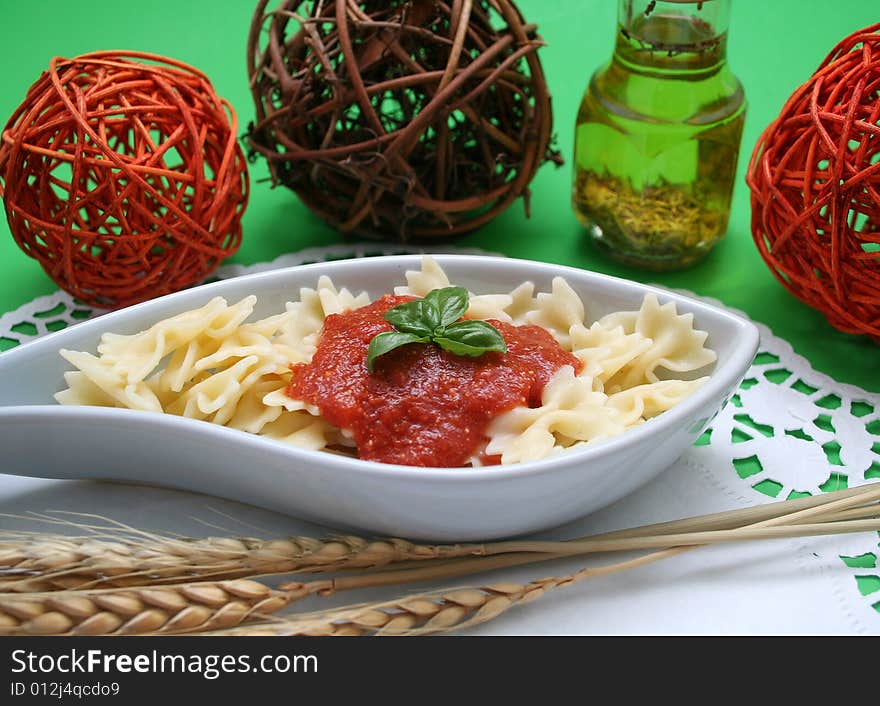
{"x": 658, "y": 135}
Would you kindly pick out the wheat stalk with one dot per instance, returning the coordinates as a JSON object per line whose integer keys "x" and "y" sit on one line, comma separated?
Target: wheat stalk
{"x": 116, "y": 555}
{"x": 434, "y": 612}
{"x": 218, "y": 605}
{"x": 461, "y": 608}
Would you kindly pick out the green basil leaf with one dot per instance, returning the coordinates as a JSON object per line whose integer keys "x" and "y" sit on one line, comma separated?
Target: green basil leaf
{"x": 428, "y": 312}
{"x": 436, "y": 318}
{"x": 410, "y": 317}
{"x": 459, "y": 348}
{"x": 471, "y": 338}
{"x": 389, "y": 340}
{"x": 450, "y": 302}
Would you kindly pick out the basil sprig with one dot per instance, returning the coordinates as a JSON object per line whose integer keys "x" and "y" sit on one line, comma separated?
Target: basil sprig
{"x": 435, "y": 319}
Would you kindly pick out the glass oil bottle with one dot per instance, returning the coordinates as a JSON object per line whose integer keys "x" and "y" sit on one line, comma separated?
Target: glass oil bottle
{"x": 658, "y": 135}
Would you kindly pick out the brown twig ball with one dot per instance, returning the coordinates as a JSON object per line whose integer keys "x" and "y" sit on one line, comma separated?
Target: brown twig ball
{"x": 410, "y": 119}
{"x": 123, "y": 178}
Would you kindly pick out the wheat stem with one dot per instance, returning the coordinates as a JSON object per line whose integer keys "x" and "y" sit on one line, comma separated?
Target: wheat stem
{"x": 122, "y": 556}
{"x": 469, "y": 565}
{"x": 745, "y": 516}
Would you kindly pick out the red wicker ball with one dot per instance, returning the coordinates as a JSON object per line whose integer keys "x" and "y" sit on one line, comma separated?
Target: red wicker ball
{"x": 815, "y": 188}
{"x": 122, "y": 176}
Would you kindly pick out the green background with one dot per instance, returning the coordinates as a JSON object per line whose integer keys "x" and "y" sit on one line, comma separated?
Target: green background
{"x": 774, "y": 46}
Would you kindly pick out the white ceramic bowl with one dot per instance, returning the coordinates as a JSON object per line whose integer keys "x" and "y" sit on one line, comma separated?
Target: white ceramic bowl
{"x": 42, "y": 439}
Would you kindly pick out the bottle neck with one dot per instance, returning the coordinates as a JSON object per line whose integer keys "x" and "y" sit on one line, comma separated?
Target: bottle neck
{"x": 673, "y": 35}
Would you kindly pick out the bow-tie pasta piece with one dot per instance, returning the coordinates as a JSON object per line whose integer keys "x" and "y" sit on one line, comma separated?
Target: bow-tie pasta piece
{"x": 676, "y": 346}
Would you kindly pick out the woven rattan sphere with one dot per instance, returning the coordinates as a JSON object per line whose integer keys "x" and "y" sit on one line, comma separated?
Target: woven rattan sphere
{"x": 410, "y": 119}
{"x": 121, "y": 175}
{"x": 815, "y": 188}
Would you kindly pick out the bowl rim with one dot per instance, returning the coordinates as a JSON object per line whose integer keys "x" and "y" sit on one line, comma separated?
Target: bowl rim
{"x": 721, "y": 379}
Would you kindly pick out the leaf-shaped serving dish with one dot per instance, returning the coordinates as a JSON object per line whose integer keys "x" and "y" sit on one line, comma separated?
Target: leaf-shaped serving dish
{"x": 40, "y": 438}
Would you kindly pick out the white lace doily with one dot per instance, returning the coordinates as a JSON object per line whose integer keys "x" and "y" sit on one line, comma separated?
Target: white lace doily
{"x": 792, "y": 431}
{"x": 788, "y": 431}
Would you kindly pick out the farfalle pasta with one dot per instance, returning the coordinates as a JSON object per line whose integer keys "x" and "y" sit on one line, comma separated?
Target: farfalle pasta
{"x": 213, "y": 364}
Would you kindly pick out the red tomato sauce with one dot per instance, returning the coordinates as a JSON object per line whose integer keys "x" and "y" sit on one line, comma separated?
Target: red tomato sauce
{"x": 421, "y": 405}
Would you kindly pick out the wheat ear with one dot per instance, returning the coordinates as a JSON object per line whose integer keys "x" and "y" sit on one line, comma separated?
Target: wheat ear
{"x": 38, "y": 562}
{"x": 155, "y": 609}
{"x": 117, "y": 555}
